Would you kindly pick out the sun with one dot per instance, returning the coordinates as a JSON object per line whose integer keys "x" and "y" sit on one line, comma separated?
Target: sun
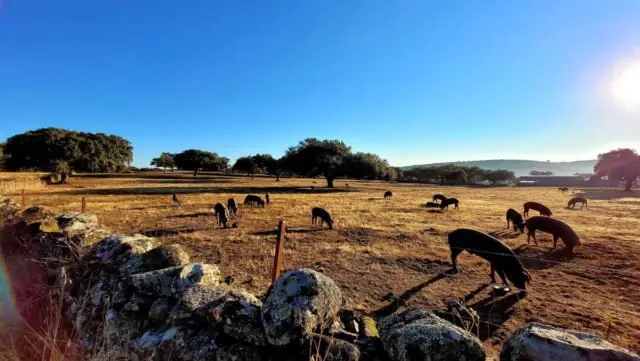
{"x": 626, "y": 86}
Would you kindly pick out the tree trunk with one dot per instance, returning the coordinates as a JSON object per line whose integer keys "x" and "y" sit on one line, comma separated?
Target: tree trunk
{"x": 278, "y": 177}
{"x": 195, "y": 172}
{"x": 329, "y": 182}
{"x": 252, "y": 175}
{"x": 628, "y": 185}
{"x": 63, "y": 178}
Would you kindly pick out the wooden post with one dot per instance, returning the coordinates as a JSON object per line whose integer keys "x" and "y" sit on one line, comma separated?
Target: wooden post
{"x": 277, "y": 259}
{"x": 84, "y": 204}
{"x": 24, "y": 197}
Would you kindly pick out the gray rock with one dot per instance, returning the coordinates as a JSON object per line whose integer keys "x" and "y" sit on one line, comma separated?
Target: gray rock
{"x": 157, "y": 258}
{"x": 300, "y": 302}
{"x": 173, "y": 281}
{"x": 538, "y": 342}
{"x": 154, "y": 338}
{"x": 177, "y": 343}
{"x": 242, "y": 320}
{"x": 206, "y": 304}
{"x": 159, "y": 311}
{"x": 416, "y": 335}
{"x": 73, "y": 223}
{"x": 117, "y": 249}
{"x": 166, "y": 256}
{"x": 239, "y": 352}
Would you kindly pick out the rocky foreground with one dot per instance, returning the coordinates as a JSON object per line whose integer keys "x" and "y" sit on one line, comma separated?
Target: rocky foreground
{"x": 146, "y": 301}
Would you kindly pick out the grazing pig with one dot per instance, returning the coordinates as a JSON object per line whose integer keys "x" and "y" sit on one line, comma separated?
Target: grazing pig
{"x": 253, "y": 200}
{"x": 573, "y": 201}
{"x": 516, "y": 220}
{"x": 447, "y": 202}
{"x": 221, "y": 213}
{"x": 388, "y": 195}
{"x": 432, "y": 205}
{"x": 499, "y": 255}
{"x": 438, "y": 197}
{"x": 176, "y": 202}
{"x": 556, "y": 228}
{"x": 563, "y": 189}
{"x": 324, "y": 216}
{"x": 544, "y": 210}
{"x": 232, "y": 206}
{"x": 266, "y": 196}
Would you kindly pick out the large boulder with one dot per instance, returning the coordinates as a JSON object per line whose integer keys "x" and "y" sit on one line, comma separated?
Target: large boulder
{"x": 174, "y": 281}
{"x": 299, "y": 303}
{"x": 538, "y": 342}
{"x": 177, "y": 344}
{"x": 118, "y": 249}
{"x": 242, "y": 320}
{"x": 327, "y": 348}
{"x": 416, "y": 335}
{"x": 235, "y": 311}
{"x": 74, "y": 223}
{"x": 41, "y": 219}
{"x": 160, "y": 257}
{"x": 8, "y": 209}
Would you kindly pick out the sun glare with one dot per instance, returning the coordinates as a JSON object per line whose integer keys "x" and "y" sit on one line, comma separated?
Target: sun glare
{"x": 626, "y": 86}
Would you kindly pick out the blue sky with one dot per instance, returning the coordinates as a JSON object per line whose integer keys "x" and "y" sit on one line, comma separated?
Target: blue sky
{"x": 414, "y": 81}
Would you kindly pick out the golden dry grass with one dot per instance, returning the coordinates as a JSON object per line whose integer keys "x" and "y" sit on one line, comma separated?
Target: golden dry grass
{"x": 398, "y": 246}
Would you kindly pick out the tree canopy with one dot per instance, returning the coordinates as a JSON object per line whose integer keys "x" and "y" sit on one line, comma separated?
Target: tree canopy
{"x": 197, "y": 160}
{"x": 459, "y": 174}
{"x": 165, "y": 160}
{"x": 540, "y": 172}
{"x": 621, "y": 164}
{"x": 259, "y": 163}
{"x": 45, "y": 148}
{"x": 313, "y": 157}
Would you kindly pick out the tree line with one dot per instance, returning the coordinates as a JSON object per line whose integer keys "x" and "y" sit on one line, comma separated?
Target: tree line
{"x": 62, "y": 151}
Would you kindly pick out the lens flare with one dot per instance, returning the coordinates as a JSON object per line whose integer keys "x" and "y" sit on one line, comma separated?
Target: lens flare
{"x": 626, "y": 86}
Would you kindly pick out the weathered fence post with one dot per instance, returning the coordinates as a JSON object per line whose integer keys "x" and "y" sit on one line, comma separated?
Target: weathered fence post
{"x": 277, "y": 259}
{"x": 24, "y": 197}
{"x": 84, "y": 204}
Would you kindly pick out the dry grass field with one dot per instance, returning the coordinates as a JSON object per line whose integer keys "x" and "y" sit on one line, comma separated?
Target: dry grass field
{"x": 380, "y": 246}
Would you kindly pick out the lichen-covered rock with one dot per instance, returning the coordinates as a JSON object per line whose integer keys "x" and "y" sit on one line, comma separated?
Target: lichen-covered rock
{"x": 538, "y": 342}
{"x": 177, "y": 343}
{"x": 416, "y": 335}
{"x": 74, "y": 223}
{"x": 159, "y": 311}
{"x": 242, "y": 320}
{"x": 117, "y": 249}
{"x": 174, "y": 281}
{"x": 164, "y": 256}
{"x": 239, "y": 352}
{"x": 9, "y": 209}
{"x": 41, "y": 218}
{"x": 299, "y": 302}
{"x": 157, "y": 258}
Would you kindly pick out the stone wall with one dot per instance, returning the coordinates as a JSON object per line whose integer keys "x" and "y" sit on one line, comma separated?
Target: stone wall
{"x": 142, "y": 300}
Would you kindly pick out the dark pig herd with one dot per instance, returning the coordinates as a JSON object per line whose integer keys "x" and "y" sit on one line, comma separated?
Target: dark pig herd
{"x": 500, "y": 256}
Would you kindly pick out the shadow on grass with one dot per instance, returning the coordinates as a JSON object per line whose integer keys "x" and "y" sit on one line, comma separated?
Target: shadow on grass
{"x": 289, "y": 230}
{"x": 607, "y": 194}
{"x": 192, "y": 215}
{"x": 403, "y": 298}
{"x": 505, "y": 234}
{"x": 494, "y": 312}
{"x": 535, "y": 257}
{"x": 166, "y": 232}
{"x": 202, "y": 190}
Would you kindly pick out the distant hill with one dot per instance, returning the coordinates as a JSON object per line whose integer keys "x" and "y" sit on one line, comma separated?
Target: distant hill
{"x": 522, "y": 167}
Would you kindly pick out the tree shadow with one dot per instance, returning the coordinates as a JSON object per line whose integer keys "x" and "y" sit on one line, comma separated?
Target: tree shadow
{"x": 202, "y": 190}
{"x": 607, "y": 194}
{"x": 165, "y": 232}
{"x": 148, "y": 207}
{"x": 536, "y": 258}
{"x": 289, "y": 230}
{"x": 435, "y": 210}
{"x": 403, "y": 298}
{"x": 192, "y": 215}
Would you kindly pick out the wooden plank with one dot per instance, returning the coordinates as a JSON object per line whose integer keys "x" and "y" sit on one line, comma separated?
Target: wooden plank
{"x": 277, "y": 259}
{"x": 84, "y": 205}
